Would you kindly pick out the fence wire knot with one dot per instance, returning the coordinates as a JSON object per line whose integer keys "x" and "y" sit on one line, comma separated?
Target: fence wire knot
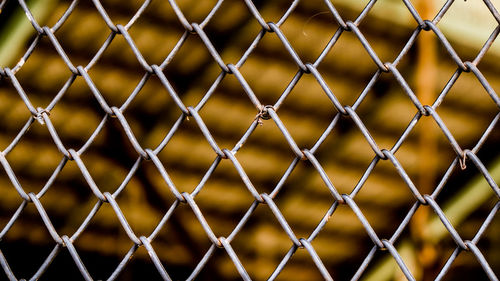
{"x": 263, "y": 114}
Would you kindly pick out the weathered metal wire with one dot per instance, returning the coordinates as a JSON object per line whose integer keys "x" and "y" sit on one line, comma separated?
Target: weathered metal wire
{"x": 222, "y": 154}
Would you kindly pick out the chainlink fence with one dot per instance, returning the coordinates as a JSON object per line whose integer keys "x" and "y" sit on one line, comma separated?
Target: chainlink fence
{"x": 239, "y": 241}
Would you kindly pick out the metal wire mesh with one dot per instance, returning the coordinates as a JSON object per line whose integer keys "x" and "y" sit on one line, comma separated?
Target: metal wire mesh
{"x": 264, "y": 113}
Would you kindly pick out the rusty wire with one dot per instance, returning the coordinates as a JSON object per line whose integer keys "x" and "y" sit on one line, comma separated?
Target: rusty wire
{"x": 64, "y": 242}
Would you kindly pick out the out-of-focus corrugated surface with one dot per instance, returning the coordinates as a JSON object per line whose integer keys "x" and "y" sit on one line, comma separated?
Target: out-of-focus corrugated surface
{"x": 345, "y": 155}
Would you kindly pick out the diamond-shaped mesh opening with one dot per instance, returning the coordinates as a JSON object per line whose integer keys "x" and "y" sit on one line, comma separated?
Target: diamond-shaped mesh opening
{"x": 110, "y": 171}
{"x": 268, "y": 81}
{"x": 356, "y": 150}
{"x": 187, "y": 157}
{"x": 32, "y": 174}
{"x": 234, "y": 29}
{"x": 82, "y": 34}
{"x": 370, "y": 196}
{"x": 264, "y": 156}
{"x": 302, "y": 29}
{"x": 343, "y": 225}
{"x": 426, "y": 139}
{"x": 236, "y": 20}
{"x": 375, "y": 25}
{"x": 222, "y": 191}
{"x": 386, "y": 111}
{"x": 459, "y": 95}
{"x": 229, "y": 112}
{"x": 16, "y": 239}
{"x": 304, "y": 214}
{"x": 467, "y": 14}
{"x": 16, "y": 28}
{"x": 140, "y": 200}
{"x": 104, "y": 80}
{"x": 336, "y": 68}
{"x": 154, "y": 42}
{"x": 308, "y": 98}
{"x": 43, "y": 88}
{"x": 257, "y": 230}
{"x": 439, "y": 248}
{"x": 182, "y": 235}
{"x": 463, "y": 264}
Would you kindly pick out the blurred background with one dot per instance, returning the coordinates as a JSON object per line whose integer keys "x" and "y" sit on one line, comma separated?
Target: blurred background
{"x": 386, "y": 111}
